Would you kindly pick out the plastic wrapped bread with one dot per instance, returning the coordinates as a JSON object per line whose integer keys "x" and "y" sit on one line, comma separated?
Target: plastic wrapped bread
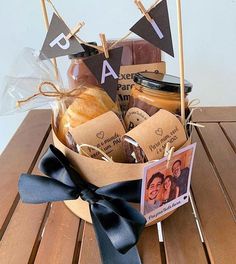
{"x": 91, "y": 103}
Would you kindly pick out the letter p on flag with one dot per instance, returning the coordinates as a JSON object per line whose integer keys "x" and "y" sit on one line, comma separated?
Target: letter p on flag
{"x": 56, "y": 43}
{"x": 58, "y": 40}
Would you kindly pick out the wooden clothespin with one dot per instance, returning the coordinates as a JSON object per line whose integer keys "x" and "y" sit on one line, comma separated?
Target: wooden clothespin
{"x": 143, "y": 10}
{"x": 75, "y": 30}
{"x": 167, "y": 148}
{"x": 169, "y": 151}
{"x": 104, "y": 44}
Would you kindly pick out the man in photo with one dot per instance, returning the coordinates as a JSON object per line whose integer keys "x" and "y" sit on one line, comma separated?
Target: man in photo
{"x": 180, "y": 176}
{"x": 153, "y": 188}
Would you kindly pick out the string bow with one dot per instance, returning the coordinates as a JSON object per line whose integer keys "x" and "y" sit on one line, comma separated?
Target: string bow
{"x": 117, "y": 225}
{"x": 55, "y": 92}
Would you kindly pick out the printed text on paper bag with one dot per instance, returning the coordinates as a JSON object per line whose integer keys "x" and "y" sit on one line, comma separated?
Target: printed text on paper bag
{"x": 160, "y": 145}
{"x": 107, "y": 144}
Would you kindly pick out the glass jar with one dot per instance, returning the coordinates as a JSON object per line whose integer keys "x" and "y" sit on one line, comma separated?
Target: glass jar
{"x": 152, "y": 92}
{"x": 78, "y": 73}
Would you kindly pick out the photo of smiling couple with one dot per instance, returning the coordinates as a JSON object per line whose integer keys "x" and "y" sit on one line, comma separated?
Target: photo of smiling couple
{"x": 163, "y": 184}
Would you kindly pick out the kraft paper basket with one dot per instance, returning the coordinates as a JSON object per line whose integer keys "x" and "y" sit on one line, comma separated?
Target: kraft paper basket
{"x": 101, "y": 173}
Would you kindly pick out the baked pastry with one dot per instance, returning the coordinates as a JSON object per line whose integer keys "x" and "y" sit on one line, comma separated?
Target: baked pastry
{"x": 91, "y": 102}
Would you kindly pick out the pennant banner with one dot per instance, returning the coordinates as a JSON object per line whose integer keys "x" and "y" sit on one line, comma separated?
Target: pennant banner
{"x": 106, "y": 70}
{"x": 157, "y": 31}
{"x": 56, "y": 43}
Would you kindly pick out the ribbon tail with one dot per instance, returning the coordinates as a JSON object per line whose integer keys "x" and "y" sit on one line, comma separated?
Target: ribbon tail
{"x": 121, "y": 223}
{"x": 109, "y": 254}
{"x": 37, "y": 189}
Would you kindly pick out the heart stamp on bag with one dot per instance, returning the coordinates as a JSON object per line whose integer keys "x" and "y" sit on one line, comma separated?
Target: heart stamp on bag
{"x": 100, "y": 135}
{"x": 103, "y": 132}
{"x": 159, "y": 132}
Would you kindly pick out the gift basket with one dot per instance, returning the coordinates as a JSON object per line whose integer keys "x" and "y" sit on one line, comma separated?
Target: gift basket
{"x": 119, "y": 115}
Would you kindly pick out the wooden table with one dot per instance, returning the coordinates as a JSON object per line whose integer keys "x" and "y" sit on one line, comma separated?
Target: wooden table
{"x": 51, "y": 234}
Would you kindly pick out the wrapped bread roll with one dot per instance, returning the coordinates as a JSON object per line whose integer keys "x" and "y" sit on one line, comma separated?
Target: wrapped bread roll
{"x": 91, "y": 102}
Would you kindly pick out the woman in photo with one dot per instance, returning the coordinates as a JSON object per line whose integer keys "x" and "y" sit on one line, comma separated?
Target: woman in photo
{"x": 170, "y": 190}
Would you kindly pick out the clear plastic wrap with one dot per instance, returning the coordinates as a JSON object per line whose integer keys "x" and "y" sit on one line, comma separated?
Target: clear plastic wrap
{"x": 23, "y": 81}
{"x": 32, "y": 84}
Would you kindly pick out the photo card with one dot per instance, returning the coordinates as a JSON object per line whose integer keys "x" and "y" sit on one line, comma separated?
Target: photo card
{"x": 165, "y": 186}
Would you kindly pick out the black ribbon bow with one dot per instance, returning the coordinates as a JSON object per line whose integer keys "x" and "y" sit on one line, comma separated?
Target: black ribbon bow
{"x": 117, "y": 224}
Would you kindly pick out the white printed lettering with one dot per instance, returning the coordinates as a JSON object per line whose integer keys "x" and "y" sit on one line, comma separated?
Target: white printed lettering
{"x": 110, "y": 72}
{"x": 57, "y": 41}
{"x": 157, "y": 29}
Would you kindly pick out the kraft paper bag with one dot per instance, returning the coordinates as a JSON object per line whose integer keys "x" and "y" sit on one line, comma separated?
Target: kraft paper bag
{"x": 149, "y": 139}
{"x": 103, "y": 132}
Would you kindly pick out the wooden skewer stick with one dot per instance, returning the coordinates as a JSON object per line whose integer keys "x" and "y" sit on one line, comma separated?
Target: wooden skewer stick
{"x": 104, "y": 44}
{"x": 181, "y": 61}
{"x": 143, "y": 10}
{"x": 46, "y": 21}
{"x": 61, "y": 106}
{"x": 75, "y": 30}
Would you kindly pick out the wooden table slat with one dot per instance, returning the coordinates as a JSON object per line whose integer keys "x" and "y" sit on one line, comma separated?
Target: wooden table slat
{"x": 215, "y": 114}
{"x": 225, "y": 163}
{"x": 148, "y": 246}
{"x": 59, "y": 237}
{"x": 50, "y": 235}
{"x": 230, "y": 131}
{"x": 19, "y": 156}
{"x": 181, "y": 238}
{"x": 216, "y": 220}
{"x": 22, "y": 231}
{"x": 89, "y": 252}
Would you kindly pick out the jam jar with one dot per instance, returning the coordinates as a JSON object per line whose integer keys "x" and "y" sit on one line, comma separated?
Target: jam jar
{"x": 78, "y": 73}
{"x": 152, "y": 92}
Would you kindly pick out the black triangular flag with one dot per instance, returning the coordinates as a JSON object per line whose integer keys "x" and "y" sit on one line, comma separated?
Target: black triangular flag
{"x": 56, "y": 44}
{"x": 106, "y": 70}
{"x": 158, "y": 31}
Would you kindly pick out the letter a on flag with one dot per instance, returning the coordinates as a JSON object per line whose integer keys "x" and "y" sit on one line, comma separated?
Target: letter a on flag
{"x": 157, "y": 31}
{"x": 56, "y": 43}
{"x": 106, "y": 70}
